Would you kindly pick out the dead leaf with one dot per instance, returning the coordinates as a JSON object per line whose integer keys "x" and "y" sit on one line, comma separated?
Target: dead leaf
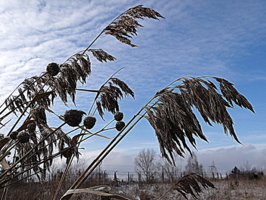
{"x": 42, "y": 95}
{"x": 3, "y": 141}
{"x": 93, "y": 90}
{"x": 4, "y": 164}
{"x": 99, "y": 190}
{"x": 25, "y": 124}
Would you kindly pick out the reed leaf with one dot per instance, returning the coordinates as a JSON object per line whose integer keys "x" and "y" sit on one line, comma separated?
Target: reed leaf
{"x": 24, "y": 125}
{"x": 190, "y": 184}
{"x": 97, "y": 91}
{"x": 104, "y": 191}
{"x": 41, "y": 96}
{"x": 4, "y": 141}
{"x": 4, "y": 164}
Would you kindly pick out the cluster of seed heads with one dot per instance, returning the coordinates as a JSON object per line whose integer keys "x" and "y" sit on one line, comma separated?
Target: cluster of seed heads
{"x": 44, "y": 133}
{"x": 118, "y": 116}
{"x": 74, "y": 117}
{"x": 22, "y": 136}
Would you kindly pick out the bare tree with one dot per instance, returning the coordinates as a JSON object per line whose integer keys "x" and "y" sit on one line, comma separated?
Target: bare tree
{"x": 170, "y": 172}
{"x": 193, "y": 165}
{"x": 213, "y": 169}
{"x": 145, "y": 164}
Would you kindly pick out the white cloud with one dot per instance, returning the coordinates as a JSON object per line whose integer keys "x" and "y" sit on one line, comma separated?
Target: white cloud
{"x": 224, "y": 159}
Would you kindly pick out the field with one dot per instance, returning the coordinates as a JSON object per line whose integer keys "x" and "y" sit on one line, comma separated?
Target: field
{"x": 225, "y": 190}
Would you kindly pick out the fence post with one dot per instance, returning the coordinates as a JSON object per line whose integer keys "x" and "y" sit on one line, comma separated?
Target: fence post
{"x": 115, "y": 178}
{"x": 139, "y": 178}
{"x": 162, "y": 176}
{"x": 104, "y": 176}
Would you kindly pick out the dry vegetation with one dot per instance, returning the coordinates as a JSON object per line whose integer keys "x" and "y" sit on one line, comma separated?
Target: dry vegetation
{"x": 224, "y": 190}
{"x": 227, "y": 189}
{"x": 33, "y": 144}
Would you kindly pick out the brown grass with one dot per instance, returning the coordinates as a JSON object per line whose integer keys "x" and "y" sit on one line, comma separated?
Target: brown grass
{"x": 225, "y": 190}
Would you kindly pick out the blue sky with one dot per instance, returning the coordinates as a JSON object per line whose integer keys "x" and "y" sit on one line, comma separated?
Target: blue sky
{"x": 197, "y": 38}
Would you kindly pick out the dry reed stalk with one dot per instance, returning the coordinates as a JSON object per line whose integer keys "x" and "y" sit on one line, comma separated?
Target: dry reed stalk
{"x": 124, "y": 20}
{"x": 25, "y": 155}
{"x": 174, "y": 108}
{"x": 108, "y": 149}
{"x": 124, "y": 88}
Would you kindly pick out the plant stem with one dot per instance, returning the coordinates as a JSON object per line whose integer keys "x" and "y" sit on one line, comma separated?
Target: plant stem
{"x": 96, "y": 38}
{"x": 24, "y": 156}
{"x": 107, "y": 149}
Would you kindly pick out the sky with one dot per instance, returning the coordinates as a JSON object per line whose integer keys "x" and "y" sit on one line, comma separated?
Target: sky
{"x": 225, "y": 39}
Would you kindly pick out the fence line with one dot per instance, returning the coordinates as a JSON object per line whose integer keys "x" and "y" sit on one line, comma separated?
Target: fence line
{"x": 116, "y": 177}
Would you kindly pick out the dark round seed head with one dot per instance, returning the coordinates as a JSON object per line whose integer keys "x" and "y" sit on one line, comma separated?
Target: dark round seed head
{"x": 73, "y": 117}
{"x": 67, "y": 153}
{"x": 52, "y": 69}
{"x": 119, "y": 125}
{"x": 118, "y": 116}
{"x": 13, "y": 135}
{"x": 23, "y": 137}
{"x": 89, "y": 122}
{"x": 31, "y": 127}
